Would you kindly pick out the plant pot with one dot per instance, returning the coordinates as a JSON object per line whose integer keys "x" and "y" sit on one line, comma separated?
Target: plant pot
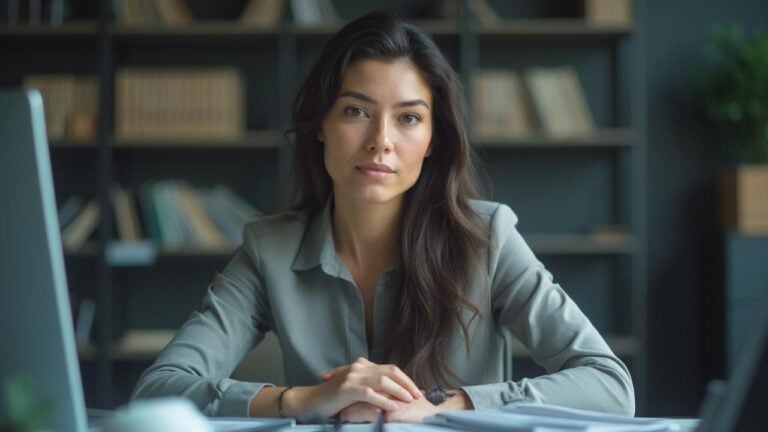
{"x": 744, "y": 199}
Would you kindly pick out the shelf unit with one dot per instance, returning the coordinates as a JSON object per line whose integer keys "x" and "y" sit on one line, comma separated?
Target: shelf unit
{"x": 284, "y": 54}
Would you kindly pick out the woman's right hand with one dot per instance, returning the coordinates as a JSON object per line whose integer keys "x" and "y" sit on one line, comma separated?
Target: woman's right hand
{"x": 361, "y": 381}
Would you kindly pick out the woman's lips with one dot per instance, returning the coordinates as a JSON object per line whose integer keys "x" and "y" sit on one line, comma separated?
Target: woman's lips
{"x": 374, "y": 170}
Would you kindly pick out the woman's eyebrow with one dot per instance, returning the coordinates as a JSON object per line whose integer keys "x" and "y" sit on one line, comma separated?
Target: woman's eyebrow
{"x": 366, "y": 98}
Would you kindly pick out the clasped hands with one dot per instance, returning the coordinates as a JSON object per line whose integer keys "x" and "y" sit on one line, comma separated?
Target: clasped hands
{"x": 359, "y": 391}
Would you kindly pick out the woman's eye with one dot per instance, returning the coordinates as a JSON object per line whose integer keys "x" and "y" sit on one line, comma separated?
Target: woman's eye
{"x": 410, "y": 119}
{"x": 354, "y": 112}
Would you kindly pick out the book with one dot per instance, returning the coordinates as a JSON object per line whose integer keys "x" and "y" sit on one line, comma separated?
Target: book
{"x": 126, "y": 216}
{"x": 86, "y": 312}
{"x": 173, "y": 12}
{"x": 77, "y": 232}
{"x": 240, "y": 207}
{"x": 501, "y": 107}
{"x": 306, "y": 12}
{"x": 172, "y": 234}
{"x": 151, "y": 222}
{"x": 530, "y": 417}
{"x": 139, "y": 12}
{"x": 178, "y": 215}
{"x": 608, "y": 12}
{"x": 579, "y": 115}
{"x": 64, "y": 96}
{"x": 327, "y": 12}
{"x": 227, "y": 211}
{"x": 262, "y": 13}
{"x": 485, "y": 14}
{"x": 559, "y": 101}
{"x": 179, "y": 104}
{"x": 69, "y": 210}
{"x": 206, "y": 233}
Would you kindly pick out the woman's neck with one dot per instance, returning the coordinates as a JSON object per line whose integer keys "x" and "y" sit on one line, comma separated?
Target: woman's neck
{"x": 365, "y": 234}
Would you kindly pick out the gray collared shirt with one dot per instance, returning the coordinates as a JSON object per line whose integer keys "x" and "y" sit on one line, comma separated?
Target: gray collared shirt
{"x": 287, "y": 278}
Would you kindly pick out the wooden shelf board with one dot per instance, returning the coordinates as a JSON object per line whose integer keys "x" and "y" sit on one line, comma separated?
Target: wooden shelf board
{"x": 622, "y": 346}
{"x": 223, "y": 28}
{"x": 267, "y": 139}
{"x": 69, "y": 29}
{"x": 512, "y": 28}
{"x": 72, "y": 143}
{"x": 436, "y": 27}
{"x": 146, "y": 253}
{"x": 552, "y": 28}
{"x": 141, "y": 345}
{"x": 88, "y": 250}
{"x": 604, "y": 138}
{"x": 580, "y": 244}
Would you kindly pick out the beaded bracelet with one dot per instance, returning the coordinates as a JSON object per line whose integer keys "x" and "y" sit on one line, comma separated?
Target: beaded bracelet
{"x": 280, "y": 402}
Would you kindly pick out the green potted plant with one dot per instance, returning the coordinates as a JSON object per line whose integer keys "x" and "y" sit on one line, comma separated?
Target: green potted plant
{"x": 20, "y": 411}
{"x": 733, "y": 86}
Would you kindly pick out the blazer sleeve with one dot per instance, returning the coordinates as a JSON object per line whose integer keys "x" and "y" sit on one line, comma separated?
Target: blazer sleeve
{"x": 582, "y": 371}
{"x": 198, "y": 362}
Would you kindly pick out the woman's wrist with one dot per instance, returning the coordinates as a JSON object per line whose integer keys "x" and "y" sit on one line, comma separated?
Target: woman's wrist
{"x": 297, "y": 401}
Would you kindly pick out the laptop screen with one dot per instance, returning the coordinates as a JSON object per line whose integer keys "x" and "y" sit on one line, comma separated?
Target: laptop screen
{"x": 751, "y": 414}
{"x": 36, "y": 329}
{"x": 740, "y": 405}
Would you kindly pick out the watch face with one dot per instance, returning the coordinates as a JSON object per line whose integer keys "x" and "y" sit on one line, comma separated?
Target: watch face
{"x": 437, "y": 395}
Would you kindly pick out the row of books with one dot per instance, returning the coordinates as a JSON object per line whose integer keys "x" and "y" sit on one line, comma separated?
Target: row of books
{"x": 208, "y": 104}
{"x": 171, "y": 213}
{"x": 546, "y": 100}
{"x": 37, "y": 12}
{"x": 71, "y": 104}
{"x": 179, "y": 104}
{"x": 141, "y": 12}
{"x": 157, "y": 104}
{"x": 596, "y": 12}
{"x": 258, "y": 13}
{"x": 268, "y": 13}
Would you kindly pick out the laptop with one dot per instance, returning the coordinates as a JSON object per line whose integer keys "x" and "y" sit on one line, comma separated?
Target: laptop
{"x": 37, "y": 342}
{"x": 36, "y": 328}
{"x": 741, "y": 404}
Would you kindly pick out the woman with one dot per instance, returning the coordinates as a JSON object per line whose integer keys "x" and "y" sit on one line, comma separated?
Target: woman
{"x": 386, "y": 280}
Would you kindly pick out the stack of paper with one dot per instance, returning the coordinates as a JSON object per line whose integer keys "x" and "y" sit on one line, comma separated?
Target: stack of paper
{"x": 549, "y": 418}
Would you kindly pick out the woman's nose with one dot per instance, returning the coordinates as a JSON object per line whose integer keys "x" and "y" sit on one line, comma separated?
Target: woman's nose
{"x": 379, "y": 138}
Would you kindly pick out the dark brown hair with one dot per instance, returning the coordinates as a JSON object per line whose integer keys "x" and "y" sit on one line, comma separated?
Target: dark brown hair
{"x": 441, "y": 235}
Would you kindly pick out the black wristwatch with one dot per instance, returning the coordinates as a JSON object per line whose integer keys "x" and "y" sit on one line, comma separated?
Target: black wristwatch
{"x": 438, "y": 395}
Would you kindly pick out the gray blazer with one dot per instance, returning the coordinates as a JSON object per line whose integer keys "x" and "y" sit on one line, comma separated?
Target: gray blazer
{"x": 287, "y": 278}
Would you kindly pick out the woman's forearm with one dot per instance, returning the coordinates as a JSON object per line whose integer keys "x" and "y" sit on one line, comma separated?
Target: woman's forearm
{"x": 295, "y": 402}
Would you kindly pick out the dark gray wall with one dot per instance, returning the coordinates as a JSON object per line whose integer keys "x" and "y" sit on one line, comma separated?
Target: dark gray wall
{"x": 684, "y": 244}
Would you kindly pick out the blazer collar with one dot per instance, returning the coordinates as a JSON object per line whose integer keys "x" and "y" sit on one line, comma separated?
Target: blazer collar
{"x": 317, "y": 247}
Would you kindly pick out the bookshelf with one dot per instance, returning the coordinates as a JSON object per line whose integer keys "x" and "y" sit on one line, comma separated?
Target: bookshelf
{"x": 562, "y": 188}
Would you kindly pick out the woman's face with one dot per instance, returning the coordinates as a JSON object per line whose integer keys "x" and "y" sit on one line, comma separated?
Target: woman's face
{"x": 378, "y": 131}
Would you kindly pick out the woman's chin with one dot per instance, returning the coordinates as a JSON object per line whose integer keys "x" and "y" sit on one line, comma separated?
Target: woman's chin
{"x": 375, "y": 197}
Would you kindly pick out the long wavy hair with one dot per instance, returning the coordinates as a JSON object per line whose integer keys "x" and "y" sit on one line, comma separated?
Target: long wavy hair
{"x": 440, "y": 236}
